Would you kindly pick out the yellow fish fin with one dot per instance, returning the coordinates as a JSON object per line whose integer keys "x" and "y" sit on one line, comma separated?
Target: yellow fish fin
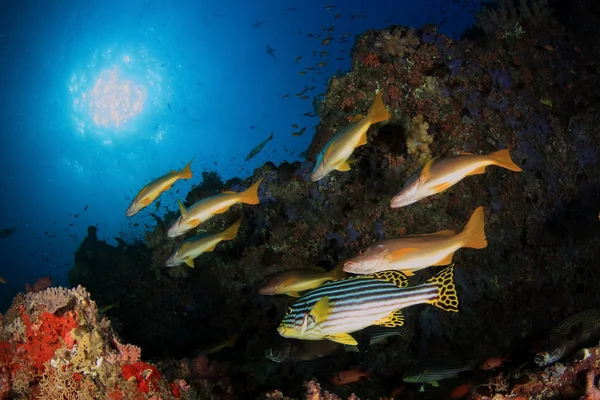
{"x": 231, "y": 232}
{"x": 392, "y": 320}
{"x": 440, "y": 187}
{"x": 344, "y": 166}
{"x": 502, "y": 159}
{"x": 477, "y": 171}
{"x": 473, "y": 236}
{"x": 193, "y": 222}
{"x": 434, "y": 384}
{"x": 343, "y": 338}
{"x": 426, "y": 171}
{"x": 446, "y": 232}
{"x": 186, "y": 172}
{"x": 396, "y": 277}
{"x": 145, "y": 201}
{"x": 377, "y": 111}
{"x": 190, "y": 262}
{"x": 221, "y": 210}
{"x": 212, "y": 247}
{"x": 182, "y": 208}
{"x": 250, "y": 195}
{"x": 321, "y": 311}
{"x": 408, "y": 272}
{"x": 228, "y": 192}
{"x": 444, "y": 261}
{"x": 400, "y": 253}
{"x": 357, "y": 117}
{"x": 293, "y": 294}
{"x": 465, "y": 153}
{"x": 362, "y": 140}
{"x": 447, "y": 296}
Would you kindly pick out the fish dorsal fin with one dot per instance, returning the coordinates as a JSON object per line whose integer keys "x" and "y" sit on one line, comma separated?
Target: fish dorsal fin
{"x": 343, "y": 166}
{"x": 465, "y": 153}
{"x": 446, "y": 232}
{"x": 182, "y": 208}
{"x": 228, "y": 192}
{"x": 426, "y": 172}
{"x": 190, "y": 262}
{"x": 320, "y": 311}
{"x": 357, "y": 117}
{"x": 396, "y": 277}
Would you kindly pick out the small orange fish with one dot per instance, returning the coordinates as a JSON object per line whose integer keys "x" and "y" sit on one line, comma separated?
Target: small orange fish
{"x": 549, "y": 47}
{"x": 460, "y": 391}
{"x": 350, "y": 376}
{"x": 493, "y": 362}
{"x": 2, "y": 280}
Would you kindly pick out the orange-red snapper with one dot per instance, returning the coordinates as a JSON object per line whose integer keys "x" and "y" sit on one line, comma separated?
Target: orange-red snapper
{"x": 154, "y": 189}
{"x": 338, "y": 150}
{"x": 412, "y": 253}
{"x": 207, "y": 208}
{"x": 441, "y": 173}
{"x": 195, "y": 246}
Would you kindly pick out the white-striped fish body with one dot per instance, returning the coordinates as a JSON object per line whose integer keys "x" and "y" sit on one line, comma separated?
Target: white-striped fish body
{"x": 338, "y": 308}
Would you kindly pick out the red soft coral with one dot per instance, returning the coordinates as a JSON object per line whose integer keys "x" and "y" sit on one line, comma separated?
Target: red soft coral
{"x": 145, "y": 374}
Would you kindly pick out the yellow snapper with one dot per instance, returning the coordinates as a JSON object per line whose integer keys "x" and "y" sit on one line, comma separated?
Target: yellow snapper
{"x": 154, "y": 189}
{"x": 441, "y": 173}
{"x": 298, "y": 280}
{"x": 207, "y": 208}
{"x": 230, "y": 342}
{"x": 195, "y": 246}
{"x": 412, "y": 253}
{"x": 336, "y": 309}
{"x": 336, "y": 152}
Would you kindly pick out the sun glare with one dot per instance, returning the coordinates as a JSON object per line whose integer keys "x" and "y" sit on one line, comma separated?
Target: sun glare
{"x": 113, "y": 99}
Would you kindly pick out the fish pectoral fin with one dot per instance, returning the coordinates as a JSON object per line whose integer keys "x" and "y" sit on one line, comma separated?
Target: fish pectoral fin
{"x": 400, "y": 253}
{"x": 193, "y": 222}
{"x": 190, "y": 262}
{"x": 393, "y": 320}
{"x": 357, "y": 117}
{"x": 440, "y": 187}
{"x": 477, "y": 171}
{"x": 343, "y": 338}
{"x": 434, "y": 384}
{"x": 145, "y": 201}
{"x": 321, "y": 311}
{"x": 408, "y": 272}
{"x": 212, "y": 247}
{"x": 444, "y": 261}
{"x": 396, "y": 277}
{"x": 293, "y": 294}
{"x": 343, "y": 166}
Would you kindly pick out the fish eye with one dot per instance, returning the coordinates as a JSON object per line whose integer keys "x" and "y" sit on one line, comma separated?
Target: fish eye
{"x": 362, "y": 251}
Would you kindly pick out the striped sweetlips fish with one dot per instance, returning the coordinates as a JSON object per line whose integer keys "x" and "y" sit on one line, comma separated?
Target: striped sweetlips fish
{"x": 336, "y": 309}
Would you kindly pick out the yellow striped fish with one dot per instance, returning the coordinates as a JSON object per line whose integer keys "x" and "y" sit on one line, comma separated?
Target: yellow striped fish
{"x": 441, "y": 173}
{"x": 195, "y": 246}
{"x": 336, "y": 309}
{"x": 207, "y": 208}
{"x": 338, "y": 150}
{"x": 154, "y": 189}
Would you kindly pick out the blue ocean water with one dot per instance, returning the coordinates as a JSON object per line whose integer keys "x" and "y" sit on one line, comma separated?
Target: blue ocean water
{"x": 100, "y": 97}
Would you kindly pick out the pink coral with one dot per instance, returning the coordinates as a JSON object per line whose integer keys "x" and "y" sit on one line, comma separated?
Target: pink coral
{"x": 39, "y": 285}
{"x": 371, "y": 60}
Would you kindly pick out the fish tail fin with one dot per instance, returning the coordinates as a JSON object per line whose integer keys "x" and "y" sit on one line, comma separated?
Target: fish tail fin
{"x": 250, "y": 195}
{"x": 378, "y": 112}
{"x": 186, "y": 172}
{"x": 473, "y": 236}
{"x": 502, "y": 159}
{"x": 231, "y": 232}
{"x": 447, "y": 296}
